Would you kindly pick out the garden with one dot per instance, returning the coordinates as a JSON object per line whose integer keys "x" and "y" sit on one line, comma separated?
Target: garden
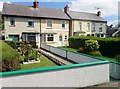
{"x": 106, "y": 48}
{"x": 20, "y": 56}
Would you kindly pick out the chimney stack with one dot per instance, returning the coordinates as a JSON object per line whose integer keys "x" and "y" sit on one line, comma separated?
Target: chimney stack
{"x": 36, "y": 4}
{"x": 66, "y": 8}
{"x": 99, "y": 13}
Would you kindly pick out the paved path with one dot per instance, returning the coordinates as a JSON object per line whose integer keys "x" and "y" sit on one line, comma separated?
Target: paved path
{"x": 55, "y": 58}
{"x": 111, "y": 84}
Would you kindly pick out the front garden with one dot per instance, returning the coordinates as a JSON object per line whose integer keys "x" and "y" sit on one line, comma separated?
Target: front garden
{"x": 107, "y": 48}
{"x": 21, "y": 55}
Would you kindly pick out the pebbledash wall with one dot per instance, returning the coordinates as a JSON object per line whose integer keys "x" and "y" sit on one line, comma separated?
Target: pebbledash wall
{"x": 77, "y": 75}
{"x": 74, "y": 75}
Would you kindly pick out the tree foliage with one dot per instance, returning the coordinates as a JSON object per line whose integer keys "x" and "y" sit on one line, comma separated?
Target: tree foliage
{"x": 1, "y": 22}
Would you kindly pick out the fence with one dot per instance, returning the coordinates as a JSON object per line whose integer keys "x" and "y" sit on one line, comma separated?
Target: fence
{"x": 71, "y": 56}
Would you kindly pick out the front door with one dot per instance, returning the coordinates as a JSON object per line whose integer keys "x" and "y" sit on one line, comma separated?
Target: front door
{"x": 60, "y": 40}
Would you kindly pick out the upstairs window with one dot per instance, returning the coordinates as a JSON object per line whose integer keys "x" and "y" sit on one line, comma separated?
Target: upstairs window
{"x": 101, "y": 28}
{"x": 93, "y": 27}
{"x": 80, "y": 26}
{"x": 12, "y": 22}
{"x": 49, "y": 23}
{"x": 63, "y": 24}
{"x": 30, "y": 23}
{"x": 88, "y": 27}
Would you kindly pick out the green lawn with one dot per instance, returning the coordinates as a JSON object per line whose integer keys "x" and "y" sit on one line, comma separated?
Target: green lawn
{"x": 7, "y": 51}
{"x": 44, "y": 62}
{"x": 75, "y": 50}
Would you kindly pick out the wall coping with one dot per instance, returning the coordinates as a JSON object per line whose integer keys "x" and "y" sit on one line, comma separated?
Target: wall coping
{"x": 19, "y": 72}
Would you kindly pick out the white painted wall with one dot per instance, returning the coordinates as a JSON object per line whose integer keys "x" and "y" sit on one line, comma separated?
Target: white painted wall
{"x": 115, "y": 70}
{"x": 74, "y": 77}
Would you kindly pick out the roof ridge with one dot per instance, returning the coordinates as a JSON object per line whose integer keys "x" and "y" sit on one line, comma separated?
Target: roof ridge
{"x": 82, "y": 12}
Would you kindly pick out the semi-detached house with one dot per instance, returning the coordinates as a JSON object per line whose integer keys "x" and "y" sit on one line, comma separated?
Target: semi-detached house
{"x": 35, "y": 24}
{"x": 89, "y": 24}
{"x": 48, "y": 25}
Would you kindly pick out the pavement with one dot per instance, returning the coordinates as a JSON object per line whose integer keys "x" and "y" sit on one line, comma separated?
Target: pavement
{"x": 110, "y": 84}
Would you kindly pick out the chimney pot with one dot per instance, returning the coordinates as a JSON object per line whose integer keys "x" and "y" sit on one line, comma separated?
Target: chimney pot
{"x": 66, "y": 8}
{"x": 99, "y": 13}
{"x": 36, "y": 4}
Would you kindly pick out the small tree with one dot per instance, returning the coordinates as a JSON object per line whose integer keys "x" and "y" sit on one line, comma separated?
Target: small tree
{"x": 91, "y": 45}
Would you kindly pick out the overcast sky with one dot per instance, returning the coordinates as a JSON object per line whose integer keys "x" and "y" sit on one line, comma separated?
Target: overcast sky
{"x": 109, "y": 8}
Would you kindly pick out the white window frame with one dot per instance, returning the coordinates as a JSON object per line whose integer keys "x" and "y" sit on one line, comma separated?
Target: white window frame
{"x": 66, "y": 38}
{"x": 88, "y": 28}
{"x": 93, "y": 27}
{"x": 31, "y": 21}
{"x": 101, "y": 26}
{"x": 80, "y": 25}
{"x": 50, "y": 36}
{"x": 10, "y": 22}
{"x": 63, "y": 23}
{"x": 47, "y": 24}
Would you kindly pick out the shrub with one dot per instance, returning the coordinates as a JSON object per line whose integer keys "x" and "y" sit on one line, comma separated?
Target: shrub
{"x": 13, "y": 44}
{"x": 108, "y": 46}
{"x": 10, "y": 58}
{"x": 95, "y": 53}
{"x": 91, "y": 45}
{"x": 118, "y": 58}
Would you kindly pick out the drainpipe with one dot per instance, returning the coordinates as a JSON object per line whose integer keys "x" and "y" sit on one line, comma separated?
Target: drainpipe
{"x": 40, "y": 33}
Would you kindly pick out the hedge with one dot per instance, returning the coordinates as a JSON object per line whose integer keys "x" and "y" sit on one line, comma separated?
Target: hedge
{"x": 13, "y": 44}
{"x": 108, "y": 46}
{"x": 10, "y": 58}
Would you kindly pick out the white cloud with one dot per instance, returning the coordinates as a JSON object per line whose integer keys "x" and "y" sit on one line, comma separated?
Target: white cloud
{"x": 107, "y": 7}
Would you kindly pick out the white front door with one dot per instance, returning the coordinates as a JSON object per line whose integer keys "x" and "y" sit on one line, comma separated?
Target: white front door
{"x": 60, "y": 40}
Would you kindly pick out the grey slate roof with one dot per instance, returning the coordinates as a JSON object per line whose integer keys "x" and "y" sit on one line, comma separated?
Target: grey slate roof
{"x": 84, "y": 16}
{"x": 22, "y": 10}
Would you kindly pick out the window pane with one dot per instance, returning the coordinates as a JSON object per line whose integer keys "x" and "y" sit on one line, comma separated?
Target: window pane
{"x": 31, "y": 23}
{"x": 93, "y": 27}
{"x": 80, "y": 26}
{"x": 49, "y": 23}
{"x": 12, "y": 21}
{"x": 100, "y": 29}
{"x": 50, "y": 37}
{"x": 65, "y": 37}
{"x": 63, "y": 24}
{"x": 88, "y": 26}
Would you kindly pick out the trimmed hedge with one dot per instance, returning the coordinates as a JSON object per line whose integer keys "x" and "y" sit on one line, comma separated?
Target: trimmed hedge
{"x": 13, "y": 44}
{"x": 108, "y": 46}
{"x": 10, "y": 58}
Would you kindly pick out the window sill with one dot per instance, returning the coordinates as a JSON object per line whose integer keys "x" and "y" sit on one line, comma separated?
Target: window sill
{"x": 12, "y": 26}
{"x": 63, "y": 28}
{"x": 30, "y": 26}
{"x": 51, "y": 42}
{"x": 49, "y": 28}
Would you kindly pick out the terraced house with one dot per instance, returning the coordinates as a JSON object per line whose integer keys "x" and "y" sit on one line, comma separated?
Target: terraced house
{"x": 50, "y": 26}
{"x": 35, "y": 24}
{"x": 88, "y": 24}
